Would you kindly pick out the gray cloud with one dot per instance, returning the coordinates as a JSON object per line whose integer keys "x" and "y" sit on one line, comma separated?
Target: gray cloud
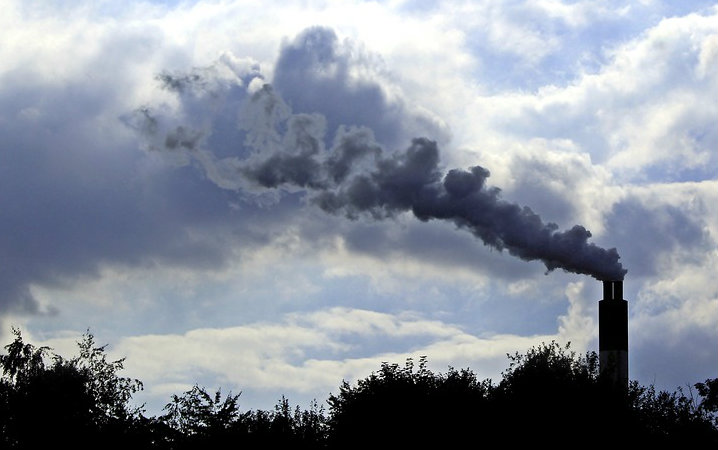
{"x": 76, "y": 199}
{"x": 316, "y": 72}
{"x": 649, "y": 232}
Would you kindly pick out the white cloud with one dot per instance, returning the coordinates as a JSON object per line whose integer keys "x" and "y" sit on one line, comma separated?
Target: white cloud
{"x": 649, "y": 109}
{"x": 579, "y": 325}
{"x": 306, "y": 353}
{"x": 345, "y": 321}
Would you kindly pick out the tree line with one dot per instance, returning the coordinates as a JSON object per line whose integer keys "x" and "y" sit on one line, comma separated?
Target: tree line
{"x": 548, "y": 395}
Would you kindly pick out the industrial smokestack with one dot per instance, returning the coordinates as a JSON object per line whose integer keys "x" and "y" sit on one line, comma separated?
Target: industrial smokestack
{"x": 613, "y": 333}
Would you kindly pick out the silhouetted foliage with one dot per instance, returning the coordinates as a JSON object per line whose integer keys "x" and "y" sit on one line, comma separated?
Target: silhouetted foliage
{"x": 401, "y": 406}
{"x": 548, "y": 395}
{"x": 551, "y": 388}
{"x": 80, "y": 401}
{"x": 200, "y": 420}
{"x": 709, "y": 402}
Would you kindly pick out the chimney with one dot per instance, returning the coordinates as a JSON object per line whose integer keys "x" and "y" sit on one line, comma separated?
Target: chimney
{"x": 613, "y": 333}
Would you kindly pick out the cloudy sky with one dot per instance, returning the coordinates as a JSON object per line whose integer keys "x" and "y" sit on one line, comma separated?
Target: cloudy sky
{"x": 272, "y": 197}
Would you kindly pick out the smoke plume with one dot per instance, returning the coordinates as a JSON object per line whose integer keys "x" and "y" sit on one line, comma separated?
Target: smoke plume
{"x": 356, "y": 177}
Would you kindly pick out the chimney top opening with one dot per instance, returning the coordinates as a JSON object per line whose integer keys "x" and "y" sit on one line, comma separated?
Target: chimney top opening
{"x": 612, "y": 290}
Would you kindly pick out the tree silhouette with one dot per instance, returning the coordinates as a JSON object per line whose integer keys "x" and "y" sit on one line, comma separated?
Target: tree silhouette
{"x": 547, "y": 396}
{"x": 197, "y": 418}
{"x": 80, "y": 402}
{"x": 709, "y": 403}
{"x": 552, "y": 395}
{"x": 399, "y": 406}
{"x": 551, "y": 388}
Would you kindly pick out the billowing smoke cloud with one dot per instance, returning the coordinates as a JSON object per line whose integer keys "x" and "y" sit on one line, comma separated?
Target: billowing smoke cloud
{"x": 356, "y": 177}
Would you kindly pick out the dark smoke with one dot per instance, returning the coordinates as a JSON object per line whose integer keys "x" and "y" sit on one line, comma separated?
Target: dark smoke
{"x": 356, "y": 178}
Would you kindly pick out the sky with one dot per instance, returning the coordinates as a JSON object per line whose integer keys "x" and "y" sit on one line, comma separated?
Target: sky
{"x": 273, "y": 197}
